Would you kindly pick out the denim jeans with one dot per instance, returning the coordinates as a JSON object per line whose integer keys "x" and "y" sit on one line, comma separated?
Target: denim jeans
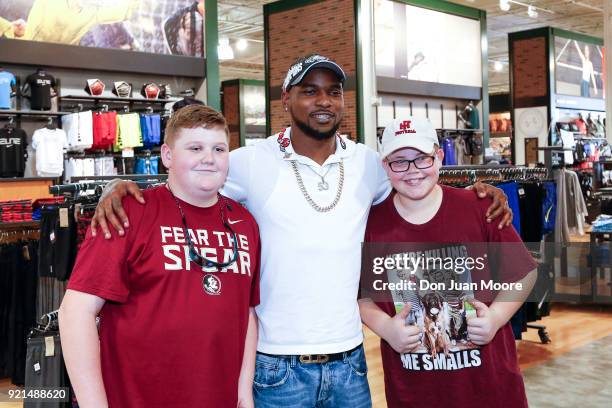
{"x": 286, "y": 382}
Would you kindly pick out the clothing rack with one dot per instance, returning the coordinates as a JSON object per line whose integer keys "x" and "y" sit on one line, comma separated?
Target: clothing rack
{"x": 97, "y": 186}
{"x": 19, "y": 231}
{"x": 494, "y": 173}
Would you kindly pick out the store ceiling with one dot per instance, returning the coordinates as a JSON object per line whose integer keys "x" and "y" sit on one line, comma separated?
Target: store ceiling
{"x": 244, "y": 19}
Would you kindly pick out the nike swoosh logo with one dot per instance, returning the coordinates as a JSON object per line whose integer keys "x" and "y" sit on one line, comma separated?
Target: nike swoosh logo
{"x": 230, "y": 222}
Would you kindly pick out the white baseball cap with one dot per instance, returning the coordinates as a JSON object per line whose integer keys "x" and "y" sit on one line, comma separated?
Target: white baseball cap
{"x": 408, "y": 131}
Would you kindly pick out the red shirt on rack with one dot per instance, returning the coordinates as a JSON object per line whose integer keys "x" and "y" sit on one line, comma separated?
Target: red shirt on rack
{"x": 171, "y": 334}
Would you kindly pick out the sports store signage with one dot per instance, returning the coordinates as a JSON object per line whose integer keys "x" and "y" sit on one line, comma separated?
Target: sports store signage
{"x": 163, "y": 37}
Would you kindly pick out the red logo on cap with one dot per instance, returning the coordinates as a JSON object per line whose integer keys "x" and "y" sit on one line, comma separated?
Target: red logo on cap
{"x": 405, "y": 128}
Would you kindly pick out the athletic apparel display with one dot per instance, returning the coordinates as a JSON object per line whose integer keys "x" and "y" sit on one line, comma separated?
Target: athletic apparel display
{"x": 469, "y": 375}
{"x": 150, "y": 90}
{"x": 13, "y": 143}
{"x": 104, "y": 130}
{"x": 122, "y": 89}
{"x": 43, "y": 369}
{"x": 128, "y": 132}
{"x": 147, "y": 276}
{"x": 57, "y": 249}
{"x": 15, "y": 210}
{"x": 147, "y": 165}
{"x": 105, "y": 166}
{"x": 150, "y": 128}
{"x": 18, "y": 281}
{"x": 8, "y": 82}
{"x": 94, "y": 87}
{"x": 49, "y": 145}
{"x": 40, "y": 84}
{"x": 448, "y": 145}
{"x": 79, "y": 130}
{"x": 302, "y": 311}
{"x": 511, "y": 190}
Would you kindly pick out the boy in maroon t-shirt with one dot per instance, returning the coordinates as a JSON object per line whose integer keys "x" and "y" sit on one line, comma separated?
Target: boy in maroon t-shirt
{"x": 440, "y": 346}
{"x": 176, "y": 294}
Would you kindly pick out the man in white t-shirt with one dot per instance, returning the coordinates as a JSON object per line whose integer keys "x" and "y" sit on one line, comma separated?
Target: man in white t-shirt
{"x": 310, "y": 191}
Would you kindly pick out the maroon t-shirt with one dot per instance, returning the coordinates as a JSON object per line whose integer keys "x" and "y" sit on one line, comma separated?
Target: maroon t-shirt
{"x": 447, "y": 370}
{"x": 172, "y": 334}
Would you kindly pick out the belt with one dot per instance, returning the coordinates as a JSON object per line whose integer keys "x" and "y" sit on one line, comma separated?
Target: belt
{"x": 316, "y": 358}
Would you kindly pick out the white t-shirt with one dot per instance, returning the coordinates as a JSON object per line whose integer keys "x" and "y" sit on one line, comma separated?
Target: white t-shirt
{"x": 310, "y": 261}
{"x": 79, "y": 130}
{"x": 49, "y": 145}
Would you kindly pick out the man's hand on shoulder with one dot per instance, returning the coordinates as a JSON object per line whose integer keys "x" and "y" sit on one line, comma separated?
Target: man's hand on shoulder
{"x": 111, "y": 210}
{"x": 499, "y": 206}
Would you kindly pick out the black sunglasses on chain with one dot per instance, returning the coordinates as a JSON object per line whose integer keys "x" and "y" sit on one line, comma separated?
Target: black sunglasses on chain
{"x": 193, "y": 252}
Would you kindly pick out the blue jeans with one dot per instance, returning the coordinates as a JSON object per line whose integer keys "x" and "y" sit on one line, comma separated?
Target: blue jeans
{"x": 286, "y": 382}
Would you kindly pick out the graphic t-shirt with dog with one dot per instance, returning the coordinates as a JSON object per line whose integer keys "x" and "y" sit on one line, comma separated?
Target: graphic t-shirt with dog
{"x": 447, "y": 369}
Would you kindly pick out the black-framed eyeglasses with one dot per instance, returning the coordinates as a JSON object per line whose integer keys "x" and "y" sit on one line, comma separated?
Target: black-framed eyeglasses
{"x": 193, "y": 252}
{"x": 421, "y": 163}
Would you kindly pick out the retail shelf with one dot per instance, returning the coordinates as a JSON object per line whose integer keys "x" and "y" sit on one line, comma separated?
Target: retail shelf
{"x": 31, "y": 113}
{"x": 116, "y": 99}
{"x": 501, "y": 134}
{"x": 19, "y": 225}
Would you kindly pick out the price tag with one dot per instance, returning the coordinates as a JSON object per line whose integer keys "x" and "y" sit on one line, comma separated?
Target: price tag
{"x": 63, "y": 216}
{"x": 26, "y": 253}
{"x": 37, "y": 367}
{"x": 77, "y": 211}
{"x": 127, "y": 153}
{"x": 49, "y": 346}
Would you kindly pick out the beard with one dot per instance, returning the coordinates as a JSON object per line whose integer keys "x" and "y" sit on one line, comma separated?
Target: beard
{"x": 314, "y": 133}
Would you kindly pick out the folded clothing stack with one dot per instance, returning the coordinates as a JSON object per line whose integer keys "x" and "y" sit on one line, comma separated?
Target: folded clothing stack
{"x": 603, "y": 223}
{"x": 16, "y": 211}
{"x": 37, "y": 205}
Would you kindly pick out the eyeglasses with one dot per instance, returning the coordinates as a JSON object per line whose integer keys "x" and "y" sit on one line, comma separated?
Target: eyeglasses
{"x": 421, "y": 163}
{"x": 193, "y": 252}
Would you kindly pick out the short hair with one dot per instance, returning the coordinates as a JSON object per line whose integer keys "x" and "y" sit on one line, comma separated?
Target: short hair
{"x": 191, "y": 117}
{"x": 186, "y": 101}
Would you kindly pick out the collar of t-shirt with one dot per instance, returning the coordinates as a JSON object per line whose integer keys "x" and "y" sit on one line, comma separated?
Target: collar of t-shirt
{"x": 343, "y": 150}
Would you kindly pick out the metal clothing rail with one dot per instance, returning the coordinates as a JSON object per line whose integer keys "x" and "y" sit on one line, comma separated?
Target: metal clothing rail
{"x": 500, "y": 172}
{"x": 96, "y": 186}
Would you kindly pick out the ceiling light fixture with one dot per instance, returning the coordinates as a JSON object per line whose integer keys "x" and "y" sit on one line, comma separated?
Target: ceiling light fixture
{"x": 532, "y": 12}
{"x": 224, "y": 50}
{"x": 241, "y": 44}
{"x": 504, "y": 5}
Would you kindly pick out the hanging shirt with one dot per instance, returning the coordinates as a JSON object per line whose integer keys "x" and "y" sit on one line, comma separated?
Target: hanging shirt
{"x": 150, "y": 128}
{"x": 49, "y": 145}
{"x": 7, "y": 82}
{"x": 474, "y": 118}
{"x": 449, "y": 151}
{"x": 40, "y": 85}
{"x": 79, "y": 130}
{"x": 13, "y": 145}
{"x": 147, "y": 165}
{"x": 73, "y": 168}
{"x": 128, "y": 131}
{"x": 465, "y": 375}
{"x": 194, "y": 319}
{"x": 104, "y": 130}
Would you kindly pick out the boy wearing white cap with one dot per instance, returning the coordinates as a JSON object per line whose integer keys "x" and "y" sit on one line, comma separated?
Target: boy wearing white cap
{"x": 436, "y": 350}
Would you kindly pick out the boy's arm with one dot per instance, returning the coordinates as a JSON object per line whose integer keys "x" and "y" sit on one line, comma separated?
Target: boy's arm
{"x": 247, "y": 371}
{"x": 490, "y": 319}
{"x": 81, "y": 347}
{"x": 401, "y": 337}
